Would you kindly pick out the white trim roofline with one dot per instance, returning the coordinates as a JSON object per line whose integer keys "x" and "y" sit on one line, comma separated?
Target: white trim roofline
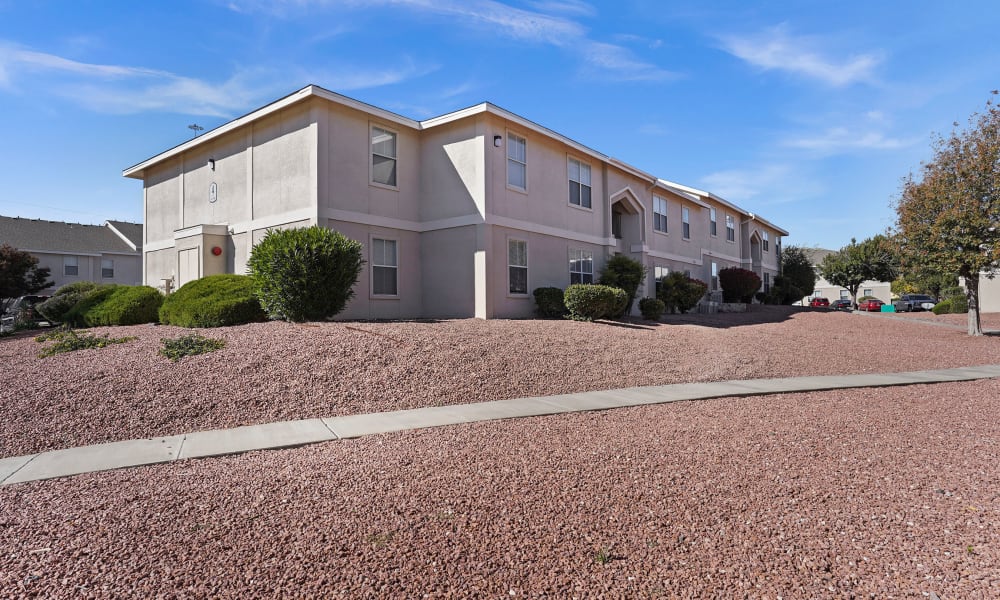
{"x": 679, "y": 187}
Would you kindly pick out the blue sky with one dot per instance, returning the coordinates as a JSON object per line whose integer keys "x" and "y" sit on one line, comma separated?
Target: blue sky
{"x": 808, "y": 113}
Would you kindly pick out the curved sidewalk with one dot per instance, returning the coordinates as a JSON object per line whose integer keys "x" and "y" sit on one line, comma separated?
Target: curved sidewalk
{"x": 220, "y": 442}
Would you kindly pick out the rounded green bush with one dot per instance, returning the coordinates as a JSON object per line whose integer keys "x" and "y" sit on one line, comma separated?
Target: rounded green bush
{"x": 55, "y": 308}
{"x": 305, "y": 274}
{"x": 680, "y": 293}
{"x": 549, "y": 302}
{"x": 942, "y": 308}
{"x": 959, "y": 304}
{"x": 213, "y": 301}
{"x": 652, "y": 308}
{"x": 587, "y": 302}
{"x": 116, "y": 305}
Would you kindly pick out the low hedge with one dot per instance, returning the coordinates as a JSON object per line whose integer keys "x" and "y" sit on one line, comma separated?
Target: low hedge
{"x": 652, "y": 308}
{"x": 58, "y": 306}
{"x": 116, "y": 305}
{"x": 587, "y": 302}
{"x": 213, "y": 301}
{"x": 549, "y": 302}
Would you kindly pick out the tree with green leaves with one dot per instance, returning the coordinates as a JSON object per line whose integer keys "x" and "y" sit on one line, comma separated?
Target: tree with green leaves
{"x": 20, "y": 274}
{"x": 948, "y": 218}
{"x": 798, "y": 270}
{"x": 625, "y": 274}
{"x": 871, "y": 260}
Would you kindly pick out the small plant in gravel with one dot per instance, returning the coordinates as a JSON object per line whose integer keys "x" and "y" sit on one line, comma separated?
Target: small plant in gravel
{"x": 191, "y": 344}
{"x": 67, "y": 340}
{"x": 603, "y": 556}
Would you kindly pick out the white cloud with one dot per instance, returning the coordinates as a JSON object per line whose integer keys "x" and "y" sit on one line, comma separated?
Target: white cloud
{"x": 766, "y": 185}
{"x": 837, "y": 140}
{"x": 775, "y": 49}
{"x": 621, "y": 65}
{"x": 569, "y": 7}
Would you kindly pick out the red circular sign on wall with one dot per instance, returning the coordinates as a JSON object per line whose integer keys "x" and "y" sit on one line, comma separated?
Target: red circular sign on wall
{"x": 216, "y": 250}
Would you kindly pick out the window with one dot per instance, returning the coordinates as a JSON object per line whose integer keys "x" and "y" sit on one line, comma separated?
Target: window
{"x": 70, "y": 266}
{"x": 715, "y": 276}
{"x": 517, "y": 161}
{"x": 384, "y": 267}
{"x": 658, "y": 274}
{"x": 712, "y": 228}
{"x": 767, "y": 282}
{"x": 777, "y": 246}
{"x": 517, "y": 266}
{"x": 383, "y": 156}
{"x": 107, "y": 268}
{"x": 581, "y": 266}
{"x": 579, "y": 183}
{"x": 730, "y": 229}
{"x": 687, "y": 273}
{"x": 767, "y": 239}
{"x": 868, "y": 292}
{"x": 845, "y": 295}
{"x": 686, "y": 221}
{"x": 616, "y": 225}
{"x": 659, "y": 214}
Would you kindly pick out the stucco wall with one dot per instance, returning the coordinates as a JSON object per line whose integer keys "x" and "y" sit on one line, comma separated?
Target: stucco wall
{"x": 453, "y": 170}
{"x": 447, "y": 264}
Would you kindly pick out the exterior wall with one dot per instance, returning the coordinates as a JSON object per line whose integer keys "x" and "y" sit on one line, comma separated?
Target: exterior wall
{"x": 453, "y": 170}
{"x": 284, "y": 151}
{"x": 128, "y": 269}
{"x": 989, "y": 292}
{"x": 825, "y": 289}
{"x": 448, "y": 272}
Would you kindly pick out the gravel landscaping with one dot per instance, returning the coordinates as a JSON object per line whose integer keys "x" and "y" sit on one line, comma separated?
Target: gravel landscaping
{"x": 277, "y": 371}
{"x": 875, "y": 493}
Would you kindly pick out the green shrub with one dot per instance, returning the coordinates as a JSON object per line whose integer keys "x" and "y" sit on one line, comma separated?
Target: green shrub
{"x": 116, "y": 305}
{"x": 959, "y": 303}
{"x": 68, "y": 340}
{"x": 784, "y": 292}
{"x": 587, "y": 302}
{"x": 55, "y": 308}
{"x": 189, "y": 345}
{"x": 652, "y": 308}
{"x": 680, "y": 293}
{"x": 942, "y": 308}
{"x": 626, "y": 274}
{"x": 738, "y": 285}
{"x": 213, "y": 301}
{"x": 305, "y": 274}
{"x": 549, "y": 302}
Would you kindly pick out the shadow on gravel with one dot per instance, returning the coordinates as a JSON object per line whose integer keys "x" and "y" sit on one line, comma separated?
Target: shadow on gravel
{"x": 758, "y": 314}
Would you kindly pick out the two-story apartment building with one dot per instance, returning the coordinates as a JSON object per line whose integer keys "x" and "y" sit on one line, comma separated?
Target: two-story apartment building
{"x": 460, "y": 215}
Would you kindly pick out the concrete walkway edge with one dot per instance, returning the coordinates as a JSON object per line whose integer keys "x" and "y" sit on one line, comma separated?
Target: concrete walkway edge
{"x": 220, "y": 442}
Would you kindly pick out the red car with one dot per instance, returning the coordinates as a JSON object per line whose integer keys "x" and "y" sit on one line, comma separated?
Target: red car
{"x": 870, "y": 305}
{"x": 818, "y": 301}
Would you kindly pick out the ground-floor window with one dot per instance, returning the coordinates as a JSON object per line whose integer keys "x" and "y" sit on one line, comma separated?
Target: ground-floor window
{"x": 517, "y": 266}
{"x": 715, "y": 276}
{"x": 767, "y": 282}
{"x": 385, "y": 268}
{"x": 71, "y": 267}
{"x": 658, "y": 274}
{"x": 845, "y": 295}
{"x": 107, "y": 268}
{"x": 868, "y": 292}
{"x": 581, "y": 266}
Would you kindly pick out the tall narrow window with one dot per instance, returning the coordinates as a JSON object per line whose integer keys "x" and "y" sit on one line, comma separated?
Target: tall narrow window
{"x": 579, "y": 183}
{"x": 730, "y": 228}
{"x": 777, "y": 247}
{"x": 383, "y": 156}
{"x": 715, "y": 276}
{"x": 616, "y": 225}
{"x": 71, "y": 266}
{"x": 581, "y": 266}
{"x": 712, "y": 225}
{"x": 767, "y": 282}
{"x": 517, "y": 266}
{"x": 659, "y": 214}
{"x": 107, "y": 268}
{"x": 658, "y": 274}
{"x": 517, "y": 161}
{"x": 686, "y": 221}
{"x": 766, "y": 241}
{"x": 384, "y": 268}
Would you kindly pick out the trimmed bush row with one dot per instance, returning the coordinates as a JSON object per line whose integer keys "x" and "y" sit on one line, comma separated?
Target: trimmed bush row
{"x": 116, "y": 305}
{"x": 213, "y": 301}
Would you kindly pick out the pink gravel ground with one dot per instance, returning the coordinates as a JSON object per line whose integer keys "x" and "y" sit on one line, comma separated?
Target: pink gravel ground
{"x": 277, "y": 371}
{"x": 874, "y": 493}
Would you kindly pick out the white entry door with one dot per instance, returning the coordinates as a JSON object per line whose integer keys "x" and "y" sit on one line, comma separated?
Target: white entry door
{"x": 188, "y": 266}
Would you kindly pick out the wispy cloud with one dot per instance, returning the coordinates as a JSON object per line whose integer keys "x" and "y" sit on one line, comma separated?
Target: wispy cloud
{"x": 836, "y": 140}
{"x": 568, "y": 7}
{"x": 776, "y": 49}
{"x": 765, "y": 185}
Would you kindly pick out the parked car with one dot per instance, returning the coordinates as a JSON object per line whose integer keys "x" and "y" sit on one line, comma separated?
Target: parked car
{"x": 819, "y": 301}
{"x": 870, "y": 305}
{"x": 842, "y": 304}
{"x": 22, "y": 310}
{"x": 913, "y": 302}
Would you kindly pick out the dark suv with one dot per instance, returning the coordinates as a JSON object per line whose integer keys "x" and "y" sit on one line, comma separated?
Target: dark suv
{"x": 913, "y": 302}
{"x": 842, "y": 304}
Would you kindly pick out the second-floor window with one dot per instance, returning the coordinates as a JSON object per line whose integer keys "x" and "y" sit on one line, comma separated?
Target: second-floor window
{"x": 712, "y": 225}
{"x": 517, "y": 162}
{"x": 659, "y": 214}
{"x": 70, "y": 266}
{"x": 766, "y": 241}
{"x": 579, "y": 183}
{"x": 686, "y": 222}
{"x": 730, "y": 228}
{"x": 383, "y": 156}
{"x": 581, "y": 266}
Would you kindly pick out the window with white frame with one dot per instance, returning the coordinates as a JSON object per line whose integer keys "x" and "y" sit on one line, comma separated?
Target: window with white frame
{"x": 581, "y": 266}
{"x": 845, "y": 295}
{"x": 766, "y": 241}
{"x": 658, "y": 274}
{"x": 107, "y": 268}
{"x": 517, "y": 266}
{"x": 868, "y": 292}
{"x": 517, "y": 161}
{"x": 715, "y": 276}
{"x": 767, "y": 282}
{"x": 712, "y": 224}
{"x": 385, "y": 268}
{"x": 659, "y": 214}
{"x": 686, "y": 222}
{"x": 730, "y": 228}
{"x": 579, "y": 183}
{"x": 71, "y": 266}
{"x": 383, "y": 156}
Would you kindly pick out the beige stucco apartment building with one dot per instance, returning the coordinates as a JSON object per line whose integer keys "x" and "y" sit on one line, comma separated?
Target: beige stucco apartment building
{"x": 461, "y": 215}
{"x": 824, "y": 289}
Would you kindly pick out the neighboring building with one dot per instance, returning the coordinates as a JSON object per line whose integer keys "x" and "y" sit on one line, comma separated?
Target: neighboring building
{"x": 109, "y": 253}
{"x": 824, "y": 289}
{"x": 460, "y": 215}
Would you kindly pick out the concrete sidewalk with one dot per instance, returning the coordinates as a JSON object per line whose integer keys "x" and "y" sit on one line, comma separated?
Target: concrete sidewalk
{"x": 131, "y": 453}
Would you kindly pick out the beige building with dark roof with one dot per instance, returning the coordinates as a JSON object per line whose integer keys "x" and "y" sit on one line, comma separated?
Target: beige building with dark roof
{"x": 824, "y": 289}
{"x": 109, "y": 253}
